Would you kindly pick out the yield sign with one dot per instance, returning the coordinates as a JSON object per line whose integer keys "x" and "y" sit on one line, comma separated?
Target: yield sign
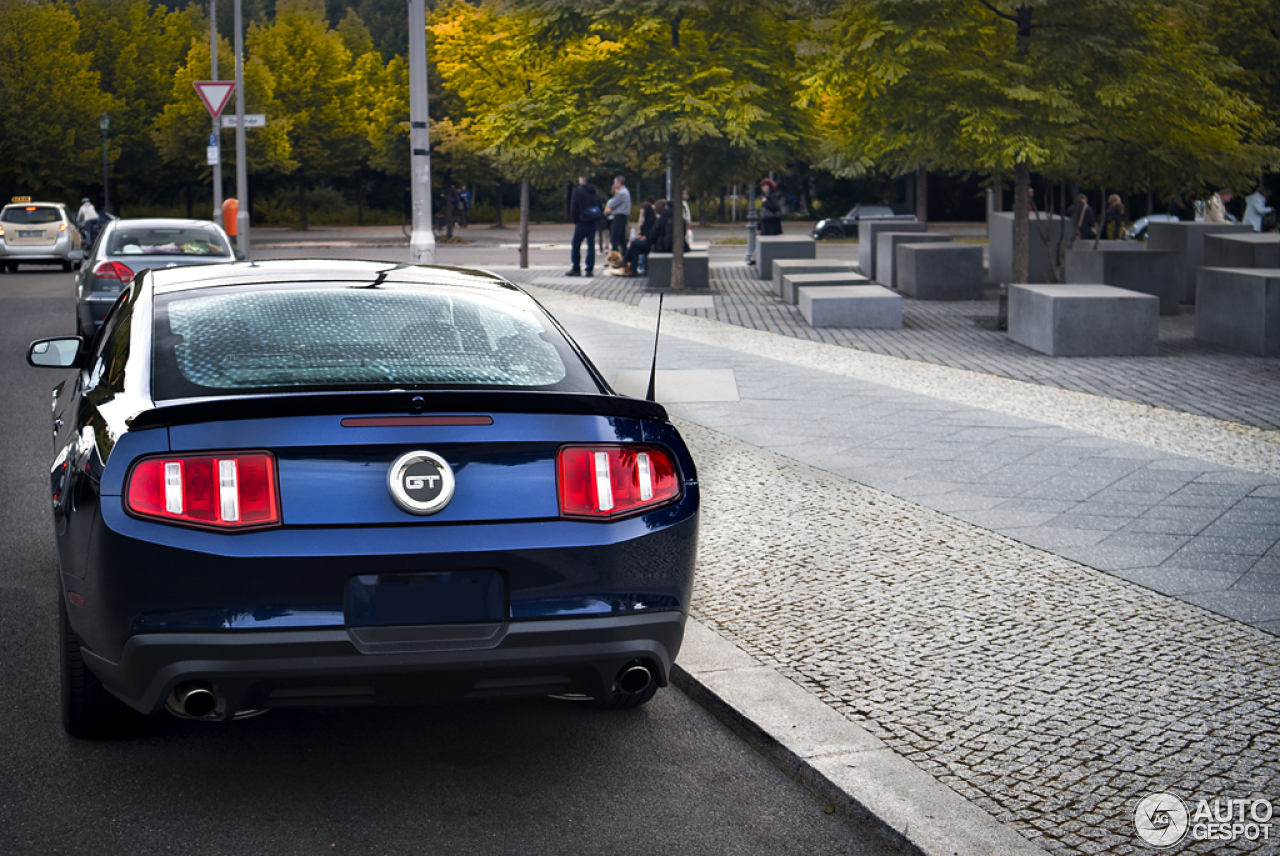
{"x": 215, "y": 94}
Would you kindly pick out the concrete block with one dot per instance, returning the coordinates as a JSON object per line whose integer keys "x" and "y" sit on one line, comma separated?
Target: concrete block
{"x": 1046, "y": 232}
{"x": 1247, "y": 250}
{"x": 886, "y": 242}
{"x": 793, "y": 282}
{"x": 770, "y": 248}
{"x": 1128, "y": 265}
{"x": 867, "y": 231}
{"x": 1239, "y": 308}
{"x": 697, "y": 270}
{"x": 782, "y": 267}
{"x": 851, "y": 306}
{"x": 1084, "y": 320}
{"x": 1186, "y": 241}
{"x": 939, "y": 271}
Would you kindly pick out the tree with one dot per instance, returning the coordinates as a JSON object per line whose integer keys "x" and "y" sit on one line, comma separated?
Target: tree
{"x": 707, "y": 79}
{"x": 1114, "y": 90}
{"x": 315, "y": 87}
{"x": 49, "y": 102}
{"x": 181, "y": 131}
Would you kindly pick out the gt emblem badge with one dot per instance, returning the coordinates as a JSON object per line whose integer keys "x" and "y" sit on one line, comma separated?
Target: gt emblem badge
{"x": 420, "y": 482}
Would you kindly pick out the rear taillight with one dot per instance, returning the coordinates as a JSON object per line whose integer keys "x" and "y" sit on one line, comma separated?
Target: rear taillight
{"x": 231, "y": 491}
{"x": 113, "y": 270}
{"x": 606, "y": 482}
{"x": 62, "y": 227}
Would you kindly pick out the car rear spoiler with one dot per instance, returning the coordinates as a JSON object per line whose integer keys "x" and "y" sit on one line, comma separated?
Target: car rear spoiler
{"x": 411, "y": 402}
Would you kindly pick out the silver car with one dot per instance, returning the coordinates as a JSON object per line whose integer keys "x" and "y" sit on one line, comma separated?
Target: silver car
{"x": 125, "y": 248}
{"x": 38, "y": 233}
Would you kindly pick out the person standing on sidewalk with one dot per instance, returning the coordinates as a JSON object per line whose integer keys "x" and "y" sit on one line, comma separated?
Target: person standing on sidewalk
{"x": 770, "y": 208}
{"x": 1215, "y": 211}
{"x": 1256, "y": 208}
{"x": 586, "y": 211}
{"x": 619, "y": 213}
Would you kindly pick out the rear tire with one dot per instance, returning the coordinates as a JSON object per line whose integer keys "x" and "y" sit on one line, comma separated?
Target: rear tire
{"x": 88, "y": 710}
{"x": 830, "y": 233}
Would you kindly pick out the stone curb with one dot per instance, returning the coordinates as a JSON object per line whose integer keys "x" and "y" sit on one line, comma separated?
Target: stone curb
{"x": 877, "y": 790}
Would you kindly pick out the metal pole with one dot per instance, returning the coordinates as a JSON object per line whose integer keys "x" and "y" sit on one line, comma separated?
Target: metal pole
{"x": 422, "y": 241}
{"x": 106, "y": 196}
{"x": 668, "y": 180}
{"x": 242, "y": 172}
{"x": 216, "y": 136}
{"x": 751, "y": 224}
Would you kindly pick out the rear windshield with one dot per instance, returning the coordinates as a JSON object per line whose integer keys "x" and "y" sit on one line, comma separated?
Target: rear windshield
{"x": 272, "y": 338}
{"x": 31, "y": 214}
{"x": 868, "y": 211}
{"x": 131, "y": 241}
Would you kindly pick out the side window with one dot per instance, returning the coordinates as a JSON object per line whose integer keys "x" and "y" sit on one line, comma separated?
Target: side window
{"x": 110, "y": 350}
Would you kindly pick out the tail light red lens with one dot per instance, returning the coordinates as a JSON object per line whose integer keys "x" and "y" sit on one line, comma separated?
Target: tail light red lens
{"x": 230, "y": 492}
{"x": 113, "y": 270}
{"x": 608, "y": 482}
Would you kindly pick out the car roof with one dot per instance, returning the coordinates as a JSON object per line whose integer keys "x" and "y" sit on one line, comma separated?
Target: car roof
{"x": 169, "y": 280}
{"x": 34, "y": 204}
{"x": 162, "y": 223}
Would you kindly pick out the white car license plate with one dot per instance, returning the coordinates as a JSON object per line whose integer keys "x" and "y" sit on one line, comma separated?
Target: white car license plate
{"x": 22, "y": 234}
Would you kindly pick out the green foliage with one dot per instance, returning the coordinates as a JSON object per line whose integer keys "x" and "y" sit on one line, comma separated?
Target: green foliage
{"x": 49, "y": 102}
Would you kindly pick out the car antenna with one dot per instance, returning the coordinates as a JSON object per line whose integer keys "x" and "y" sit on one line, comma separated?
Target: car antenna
{"x": 653, "y": 369}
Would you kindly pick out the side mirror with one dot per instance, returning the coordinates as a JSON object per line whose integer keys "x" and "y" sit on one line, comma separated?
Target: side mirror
{"x": 239, "y": 255}
{"x": 75, "y": 256}
{"x": 55, "y": 353}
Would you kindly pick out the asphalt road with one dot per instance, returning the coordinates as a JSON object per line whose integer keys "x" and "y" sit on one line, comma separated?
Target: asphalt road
{"x": 527, "y": 777}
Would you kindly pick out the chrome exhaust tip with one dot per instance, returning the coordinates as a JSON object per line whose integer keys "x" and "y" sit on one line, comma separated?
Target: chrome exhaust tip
{"x": 194, "y": 700}
{"x": 634, "y": 678}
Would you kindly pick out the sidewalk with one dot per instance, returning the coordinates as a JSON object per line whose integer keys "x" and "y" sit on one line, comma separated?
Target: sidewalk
{"x": 1053, "y": 604}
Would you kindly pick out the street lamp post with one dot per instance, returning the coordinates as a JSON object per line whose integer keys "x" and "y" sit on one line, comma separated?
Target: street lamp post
{"x": 104, "y": 122}
{"x": 422, "y": 240}
{"x": 242, "y": 171}
{"x": 215, "y": 136}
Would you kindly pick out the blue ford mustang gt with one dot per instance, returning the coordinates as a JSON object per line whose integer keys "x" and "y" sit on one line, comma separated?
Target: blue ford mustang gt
{"x": 287, "y": 484}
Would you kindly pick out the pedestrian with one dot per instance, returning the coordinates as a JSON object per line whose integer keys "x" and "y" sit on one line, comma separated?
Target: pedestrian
{"x": 1256, "y": 208}
{"x": 664, "y": 230}
{"x": 1081, "y": 215}
{"x": 1183, "y": 204}
{"x": 770, "y": 208}
{"x": 1113, "y": 220}
{"x": 634, "y": 261}
{"x": 464, "y": 205}
{"x": 1216, "y": 209}
{"x": 586, "y": 211}
{"x": 619, "y": 212}
{"x": 87, "y": 220}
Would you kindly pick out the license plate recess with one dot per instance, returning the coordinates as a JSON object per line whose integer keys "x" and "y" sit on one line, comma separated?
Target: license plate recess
{"x": 436, "y": 597}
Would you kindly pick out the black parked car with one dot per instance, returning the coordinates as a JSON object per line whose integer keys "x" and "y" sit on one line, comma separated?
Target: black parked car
{"x": 316, "y": 483}
{"x": 847, "y": 226}
{"x": 125, "y": 248}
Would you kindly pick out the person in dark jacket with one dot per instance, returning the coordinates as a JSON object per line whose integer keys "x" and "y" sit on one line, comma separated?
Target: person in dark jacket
{"x": 1183, "y": 204}
{"x": 664, "y": 229}
{"x": 770, "y": 208}
{"x": 1081, "y": 216}
{"x": 586, "y": 211}
{"x": 1113, "y": 220}
{"x": 642, "y": 243}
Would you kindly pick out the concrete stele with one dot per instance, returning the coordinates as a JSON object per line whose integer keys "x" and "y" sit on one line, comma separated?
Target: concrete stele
{"x": 782, "y": 267}
{"x": 770, "y": 248}
{"x": 1239, "y": 308}
{"x": 851, "y": 306}
{"x": 793, "y": 282}
{"x": 1084, "y": 320}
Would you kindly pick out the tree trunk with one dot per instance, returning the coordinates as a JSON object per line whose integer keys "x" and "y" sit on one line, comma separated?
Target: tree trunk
{"x": 302, "y": 202}
{"x": 497, "y": 206}
{"x": 1021, "y": 223}
{"x": 922, "y": 193}
{"x": 724, "y": 192}
{"x": 360, "y": 196}
{"x": 702, "y": 208}
{"x": 677, "y": 221}
{"x": 190, "y": 213}
{"x": 997, "y": 196}
{"x": 524, "y": 224}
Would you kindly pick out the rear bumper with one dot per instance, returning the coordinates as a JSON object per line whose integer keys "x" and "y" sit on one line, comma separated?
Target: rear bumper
{"x": 311, "y": 668}
{"x": 55, "y": 252}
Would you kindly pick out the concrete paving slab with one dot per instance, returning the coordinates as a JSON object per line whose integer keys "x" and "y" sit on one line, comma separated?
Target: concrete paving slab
{"x": 1179, "y": 581}
{"x": 676, "y": 385}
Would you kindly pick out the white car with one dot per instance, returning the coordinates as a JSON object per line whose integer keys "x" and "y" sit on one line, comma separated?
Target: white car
{"x": 38, "y": 233}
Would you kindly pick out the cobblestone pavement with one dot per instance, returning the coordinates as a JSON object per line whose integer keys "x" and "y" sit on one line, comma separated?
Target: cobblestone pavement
{"x": 1051, "y": 695}
{"x": 1188, "y": 376}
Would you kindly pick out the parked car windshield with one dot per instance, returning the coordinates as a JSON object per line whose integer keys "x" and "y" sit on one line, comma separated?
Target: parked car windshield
{"x": 133, "y": 241}
{"x": 867, "y": 211}
{"x": 24, "y": 214}
{"x": 273, "y": 338}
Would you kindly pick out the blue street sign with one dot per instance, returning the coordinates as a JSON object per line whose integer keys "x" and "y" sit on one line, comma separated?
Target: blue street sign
{"x": 213, "y": 139}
